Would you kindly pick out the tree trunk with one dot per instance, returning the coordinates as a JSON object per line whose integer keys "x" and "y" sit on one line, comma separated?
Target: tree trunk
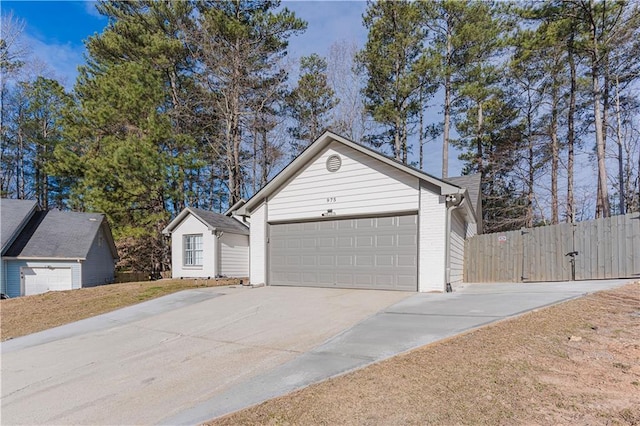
{"x": 554, "y": 154}
{"x": 397, "y": 147}
{"x": 265, "y": 158}
{"x": 447, "y": 108}
{"x": 571, "y": 129}
{"x": 620, "y": 153}
{"x": 479, "y": 149}
{"x": 602, "y": 204}
{"x": 531, "y": 162}
{"x": 421, "y": 127}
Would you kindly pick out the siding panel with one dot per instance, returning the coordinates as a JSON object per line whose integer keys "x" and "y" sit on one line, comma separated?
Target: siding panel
{"x": 456, "y": 258}
{"x": 99, "y": 266}
{"x": 431, "y": 243}
{"x": 258, "y": 246}
{"x": 235, "y": 255}
{"x": 348, "y": 191}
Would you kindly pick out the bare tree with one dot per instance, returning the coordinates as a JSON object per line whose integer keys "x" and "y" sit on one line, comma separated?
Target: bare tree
{"x": 349, "y": 116}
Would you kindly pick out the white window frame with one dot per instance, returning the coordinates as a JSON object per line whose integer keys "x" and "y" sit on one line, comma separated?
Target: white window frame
{"x": 192, "y": 253}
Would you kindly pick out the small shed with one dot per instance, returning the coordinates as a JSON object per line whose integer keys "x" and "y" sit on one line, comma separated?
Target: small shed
{"x": 208, "y": 244}
{"x": 53, "y": 250}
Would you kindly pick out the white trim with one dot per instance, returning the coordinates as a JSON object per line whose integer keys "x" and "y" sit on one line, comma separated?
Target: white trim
{"x": 76, "y": 259}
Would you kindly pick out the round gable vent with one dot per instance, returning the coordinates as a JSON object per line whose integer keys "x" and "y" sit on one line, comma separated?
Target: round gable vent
{"x": 333, "y": 163}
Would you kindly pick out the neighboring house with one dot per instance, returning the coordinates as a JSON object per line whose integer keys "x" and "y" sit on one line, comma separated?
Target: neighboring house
{"x": 343, "y": 215}
{"x": 53, "y": 250}
{"x": 208, "y": 244}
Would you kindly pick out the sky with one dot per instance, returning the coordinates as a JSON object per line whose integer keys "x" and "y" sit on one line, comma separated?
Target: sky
{"x": 55, "y": 31}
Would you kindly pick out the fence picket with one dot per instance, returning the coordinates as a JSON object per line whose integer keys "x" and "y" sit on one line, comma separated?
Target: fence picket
{"x": 607, "y": 248}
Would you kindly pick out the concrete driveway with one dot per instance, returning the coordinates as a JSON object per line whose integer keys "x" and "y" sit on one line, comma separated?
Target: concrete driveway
{"x": 143, "y": 364}
{"x": 186, "y": 358}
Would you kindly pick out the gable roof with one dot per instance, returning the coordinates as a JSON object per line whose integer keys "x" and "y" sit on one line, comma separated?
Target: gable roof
{"x": 15, "y": 215}
{"x": 213, "y": 221}
{"x": 58, "y": 234}
{"x": 323, "y": 142}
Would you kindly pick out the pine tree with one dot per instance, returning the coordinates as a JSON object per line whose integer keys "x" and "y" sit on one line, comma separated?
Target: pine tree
{"x": 132, "y": 142}
{"x": 395, "y": 67}
{"x": 310, "y": 102}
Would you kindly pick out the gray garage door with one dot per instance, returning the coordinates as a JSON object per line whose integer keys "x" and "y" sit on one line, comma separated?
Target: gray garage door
{"x": 375, "y": 253}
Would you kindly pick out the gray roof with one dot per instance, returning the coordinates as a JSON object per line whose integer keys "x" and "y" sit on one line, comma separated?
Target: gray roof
{"x": 214, "y": 221}
{"x": 60, "y": 234}
{"x": 472, "y": 184}
{"x": 14, "y": 216}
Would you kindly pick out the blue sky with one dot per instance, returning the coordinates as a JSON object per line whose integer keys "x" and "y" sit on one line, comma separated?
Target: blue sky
{"x": 56, "y": 30}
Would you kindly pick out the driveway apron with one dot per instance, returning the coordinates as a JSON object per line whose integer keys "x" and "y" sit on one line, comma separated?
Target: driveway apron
{"x": 163, "y": 357}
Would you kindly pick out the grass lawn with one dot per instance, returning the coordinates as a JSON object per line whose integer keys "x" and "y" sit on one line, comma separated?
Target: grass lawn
{"x": 573, "y": 363}
{"x": 26, "y": 315}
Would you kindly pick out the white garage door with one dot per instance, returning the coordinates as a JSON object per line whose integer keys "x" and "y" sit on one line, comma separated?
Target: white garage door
{"x": 41, "y": 280}
{"x": 375, "y": 253}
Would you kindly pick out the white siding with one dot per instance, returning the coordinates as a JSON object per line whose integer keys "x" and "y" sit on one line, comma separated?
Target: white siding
{"x": 258, "y": 246}
{"x": 472, "y": 229}
{"x": 192, "y": 226}
{"x": 99, "y": 266}
{"x": 456, "y": 258}
{"x": 363, "y": 185}
{"x": 235, "y": 255}
{"x": 431, "y": 246}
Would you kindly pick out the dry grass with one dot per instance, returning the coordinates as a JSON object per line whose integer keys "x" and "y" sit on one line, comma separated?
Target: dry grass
{"x": 574, "y": 363}
{"x": 26, "y": 315}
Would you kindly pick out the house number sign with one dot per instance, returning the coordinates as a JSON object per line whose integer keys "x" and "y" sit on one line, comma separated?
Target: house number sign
{"x": 331, "y": 200}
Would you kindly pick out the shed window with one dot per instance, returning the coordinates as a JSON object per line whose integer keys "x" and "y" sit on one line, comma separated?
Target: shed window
{"x": 193, "y": 250}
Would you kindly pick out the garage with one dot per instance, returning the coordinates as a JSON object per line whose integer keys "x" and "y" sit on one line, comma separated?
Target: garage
{"x": 343, "y": 215}
{"x": 41, "y": 280}
{"x": 373, "y": 253}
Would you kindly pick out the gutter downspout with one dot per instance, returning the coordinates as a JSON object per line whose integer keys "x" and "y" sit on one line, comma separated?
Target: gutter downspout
{"x": 453, "y": 201}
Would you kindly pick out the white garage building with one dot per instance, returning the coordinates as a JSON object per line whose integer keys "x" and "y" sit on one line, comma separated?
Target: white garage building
{"x": 343, "y": 215}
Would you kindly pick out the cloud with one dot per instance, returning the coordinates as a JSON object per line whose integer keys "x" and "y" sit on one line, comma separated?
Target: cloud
{"x": 55, "y": 60}
{"x": 90, "y": 8}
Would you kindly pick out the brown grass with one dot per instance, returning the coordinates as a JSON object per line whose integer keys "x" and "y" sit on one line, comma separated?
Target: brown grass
{"x": 573, "y": 363}
{"x": 26, "y": 315}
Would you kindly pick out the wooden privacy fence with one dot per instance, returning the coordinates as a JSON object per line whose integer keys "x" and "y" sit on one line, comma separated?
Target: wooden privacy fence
{"x": 597, "y": 249}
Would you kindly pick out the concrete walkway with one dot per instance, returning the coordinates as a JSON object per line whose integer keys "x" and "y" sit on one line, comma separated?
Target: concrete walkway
{"x": 196, "y": 355}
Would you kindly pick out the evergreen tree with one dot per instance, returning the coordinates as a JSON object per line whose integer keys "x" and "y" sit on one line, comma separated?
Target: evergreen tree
{"x": 446, "y": 20}
{"x": 395, "y": 66}
{"x": 132, "y": 143}
{"x": 310, "y": 102}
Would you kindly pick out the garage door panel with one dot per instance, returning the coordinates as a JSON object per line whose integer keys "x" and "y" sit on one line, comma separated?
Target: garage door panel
{"x": 406, "y": 260}
{"x": 309, "y": 261}
{"x": 385, "y": 260}
{"x": 378, "y": 253}
{"x": 385, "y": 241}
{"x": 364, "y": 260}
{"x": 365, "y": 223}
{"x": 407, "y": 241}
{"x": 39, "y": 280}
